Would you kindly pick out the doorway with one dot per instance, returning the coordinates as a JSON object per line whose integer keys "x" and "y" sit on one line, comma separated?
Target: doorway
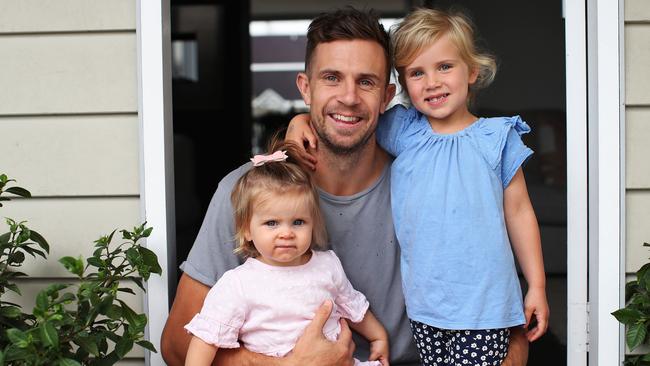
{"x": 527, "y": 37}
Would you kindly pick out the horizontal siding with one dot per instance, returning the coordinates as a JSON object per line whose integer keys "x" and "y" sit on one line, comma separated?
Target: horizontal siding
{"x": 637, "y": 10}
{"x": 637, "y": 59}
{"x": 71, "y": 225}
{"x": 72, "y": 155}
{"x": 637, "y": 148}
{"x": 22, "y": 16}
{"x": 68, "y": 74}
{"x": 31, "y": 288}
{"x": 637, "y": 216}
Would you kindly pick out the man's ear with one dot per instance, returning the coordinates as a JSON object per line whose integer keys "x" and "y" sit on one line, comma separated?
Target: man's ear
{"x": 388, "y": 96}
{"x": 302, "y": 81}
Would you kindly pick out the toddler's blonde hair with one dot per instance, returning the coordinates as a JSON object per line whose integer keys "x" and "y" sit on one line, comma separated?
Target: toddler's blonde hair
{"x": 424, "y": 26}
{"x": 283, "y": 177}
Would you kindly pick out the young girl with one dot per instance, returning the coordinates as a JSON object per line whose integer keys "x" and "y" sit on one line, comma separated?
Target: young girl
{"x": 459, "y": 198}
{"x": 268, "y": 301}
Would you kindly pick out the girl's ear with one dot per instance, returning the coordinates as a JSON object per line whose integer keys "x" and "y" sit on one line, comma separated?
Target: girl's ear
{"x": 247, "y": 235}
{"x": 473, "y": 75}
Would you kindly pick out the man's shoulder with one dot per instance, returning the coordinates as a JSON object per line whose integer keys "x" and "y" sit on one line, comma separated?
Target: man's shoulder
{"x": 231, "y": 178}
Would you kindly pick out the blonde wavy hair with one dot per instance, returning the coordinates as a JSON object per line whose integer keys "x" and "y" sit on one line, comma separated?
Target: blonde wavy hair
{"x": 423, "y": 26}
{"x": 280, "y": 177}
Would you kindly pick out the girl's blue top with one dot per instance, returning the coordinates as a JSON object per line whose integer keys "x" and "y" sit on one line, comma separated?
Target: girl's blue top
{"x": 458, "y": 270}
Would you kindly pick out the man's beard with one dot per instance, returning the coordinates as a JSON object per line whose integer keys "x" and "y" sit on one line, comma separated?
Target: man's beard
{"x": 338, "y": 149}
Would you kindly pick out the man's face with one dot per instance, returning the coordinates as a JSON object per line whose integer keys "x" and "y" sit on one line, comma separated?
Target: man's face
{"x": 347, "y": 90}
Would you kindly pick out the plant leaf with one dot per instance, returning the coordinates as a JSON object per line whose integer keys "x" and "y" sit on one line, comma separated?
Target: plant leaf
{"x": 627, "y": 316}
{"x": 48, "y": 334}
{"x": 123, "y": 347}
{"x": 635, "y": 335}
{"x": 19, "y": 191}
{"x": 40, "y": 240}
{"x": 150, "y": 259}
{"x": 13, "y": 287}
{"x": 67, "y": 362}
{"x": 73, "y": 265}
{"x": 10, "y": 312}
{"x": 147, "y": 345}
{"x": 88, "y": 345}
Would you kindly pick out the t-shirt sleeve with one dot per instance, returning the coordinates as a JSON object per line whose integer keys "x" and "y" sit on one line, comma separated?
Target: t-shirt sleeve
{"x": 515, "y": 153}
{"x": 390, "y": 129}
{"x": 222, "y": 315}
{"x": 212, "y": 253}
{"x": 350, "y": 303}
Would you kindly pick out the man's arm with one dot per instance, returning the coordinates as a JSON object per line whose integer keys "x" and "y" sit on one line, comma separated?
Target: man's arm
{"x": 312, "y": 345}
{"x": 518, "y": 349}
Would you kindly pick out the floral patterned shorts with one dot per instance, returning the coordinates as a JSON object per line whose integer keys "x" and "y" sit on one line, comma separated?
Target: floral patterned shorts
{"x": 482, "y": 347}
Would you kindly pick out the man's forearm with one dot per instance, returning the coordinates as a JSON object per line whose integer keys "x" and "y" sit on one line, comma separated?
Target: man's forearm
{"x": 243, "y": 357}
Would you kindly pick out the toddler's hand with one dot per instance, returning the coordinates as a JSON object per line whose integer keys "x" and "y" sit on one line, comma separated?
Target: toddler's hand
{"x": 536, "y": 304}
{"x": 379, "y": 351}
{"x": 300, "y": 133}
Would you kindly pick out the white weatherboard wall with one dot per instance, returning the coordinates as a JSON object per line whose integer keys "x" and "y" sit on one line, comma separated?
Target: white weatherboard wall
{"x": 69, "y": 126}
{"x": 637, "y": 139}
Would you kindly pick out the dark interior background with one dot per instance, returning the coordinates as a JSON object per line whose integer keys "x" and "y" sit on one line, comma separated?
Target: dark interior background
{"x": 216, "y": 127}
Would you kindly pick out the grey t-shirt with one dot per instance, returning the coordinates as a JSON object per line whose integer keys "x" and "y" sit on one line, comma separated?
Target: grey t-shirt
{"x": 360, "y": 229}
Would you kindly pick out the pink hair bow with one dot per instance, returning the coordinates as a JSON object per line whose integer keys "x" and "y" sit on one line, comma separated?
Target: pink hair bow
{"x": 259, "y": 160}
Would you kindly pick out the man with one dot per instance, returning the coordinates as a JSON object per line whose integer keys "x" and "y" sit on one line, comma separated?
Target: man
{"x": 346, "y": 85}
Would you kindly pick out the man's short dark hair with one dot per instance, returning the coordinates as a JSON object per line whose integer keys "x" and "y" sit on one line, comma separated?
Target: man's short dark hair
{"x": 347, "y": 24}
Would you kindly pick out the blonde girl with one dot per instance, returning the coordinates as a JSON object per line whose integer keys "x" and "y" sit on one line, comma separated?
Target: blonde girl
{"x": 458, "y": 196}
{"x": 265, "y": 304}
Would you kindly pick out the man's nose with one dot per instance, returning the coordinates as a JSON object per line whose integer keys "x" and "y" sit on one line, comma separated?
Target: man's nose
{"x": 349, "y": 94}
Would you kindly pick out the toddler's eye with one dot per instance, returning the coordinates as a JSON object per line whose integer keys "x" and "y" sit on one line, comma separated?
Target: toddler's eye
{"x": 445, "y": 67}
{"x": 416, "y": 73}
{"x": 299, "y": 222}
{"x": 271, "y": 223}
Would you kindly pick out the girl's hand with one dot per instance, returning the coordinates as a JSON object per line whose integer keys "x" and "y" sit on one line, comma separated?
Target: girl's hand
{"x": 379, "y": 351}
{"x": 300, "y": 133}
{"x": 536, "y": 304}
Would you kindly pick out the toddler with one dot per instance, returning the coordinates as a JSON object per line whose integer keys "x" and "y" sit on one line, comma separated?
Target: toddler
{"x": 266, "y": 303}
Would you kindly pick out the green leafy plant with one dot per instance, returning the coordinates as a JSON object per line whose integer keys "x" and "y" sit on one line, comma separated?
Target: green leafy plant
{"x": 636, "y": 314}
{"x": 73, "y": 324}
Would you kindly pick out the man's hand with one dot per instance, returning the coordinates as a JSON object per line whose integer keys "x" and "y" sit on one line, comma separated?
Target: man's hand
{"x": 313, "y": 348}
{"x": 379, "y": 351}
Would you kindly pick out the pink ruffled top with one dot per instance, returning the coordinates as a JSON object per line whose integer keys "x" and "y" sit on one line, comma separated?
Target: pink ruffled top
{"x": 266, "y": 308}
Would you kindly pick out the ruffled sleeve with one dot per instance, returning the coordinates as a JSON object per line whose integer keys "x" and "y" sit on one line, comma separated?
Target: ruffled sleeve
{"x": 222, "y": 315}
{"x": 499, "y": 140}
{"x": 350, "y": 303}
{"x": 391, "y": 127}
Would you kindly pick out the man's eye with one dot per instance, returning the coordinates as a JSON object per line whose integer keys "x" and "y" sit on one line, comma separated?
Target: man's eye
{"x": 299, "y": 222}
{"x": 366, "y": 83}
{"x": 331, "y": 78}
{"x": 271, "y": 223}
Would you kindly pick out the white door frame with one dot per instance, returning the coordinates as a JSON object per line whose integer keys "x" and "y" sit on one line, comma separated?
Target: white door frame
{"x": 156, "y": 158}
{"x": 606, "y": 179}
{"x": 595, "y": 185}
{"x": 577, "y": 198}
